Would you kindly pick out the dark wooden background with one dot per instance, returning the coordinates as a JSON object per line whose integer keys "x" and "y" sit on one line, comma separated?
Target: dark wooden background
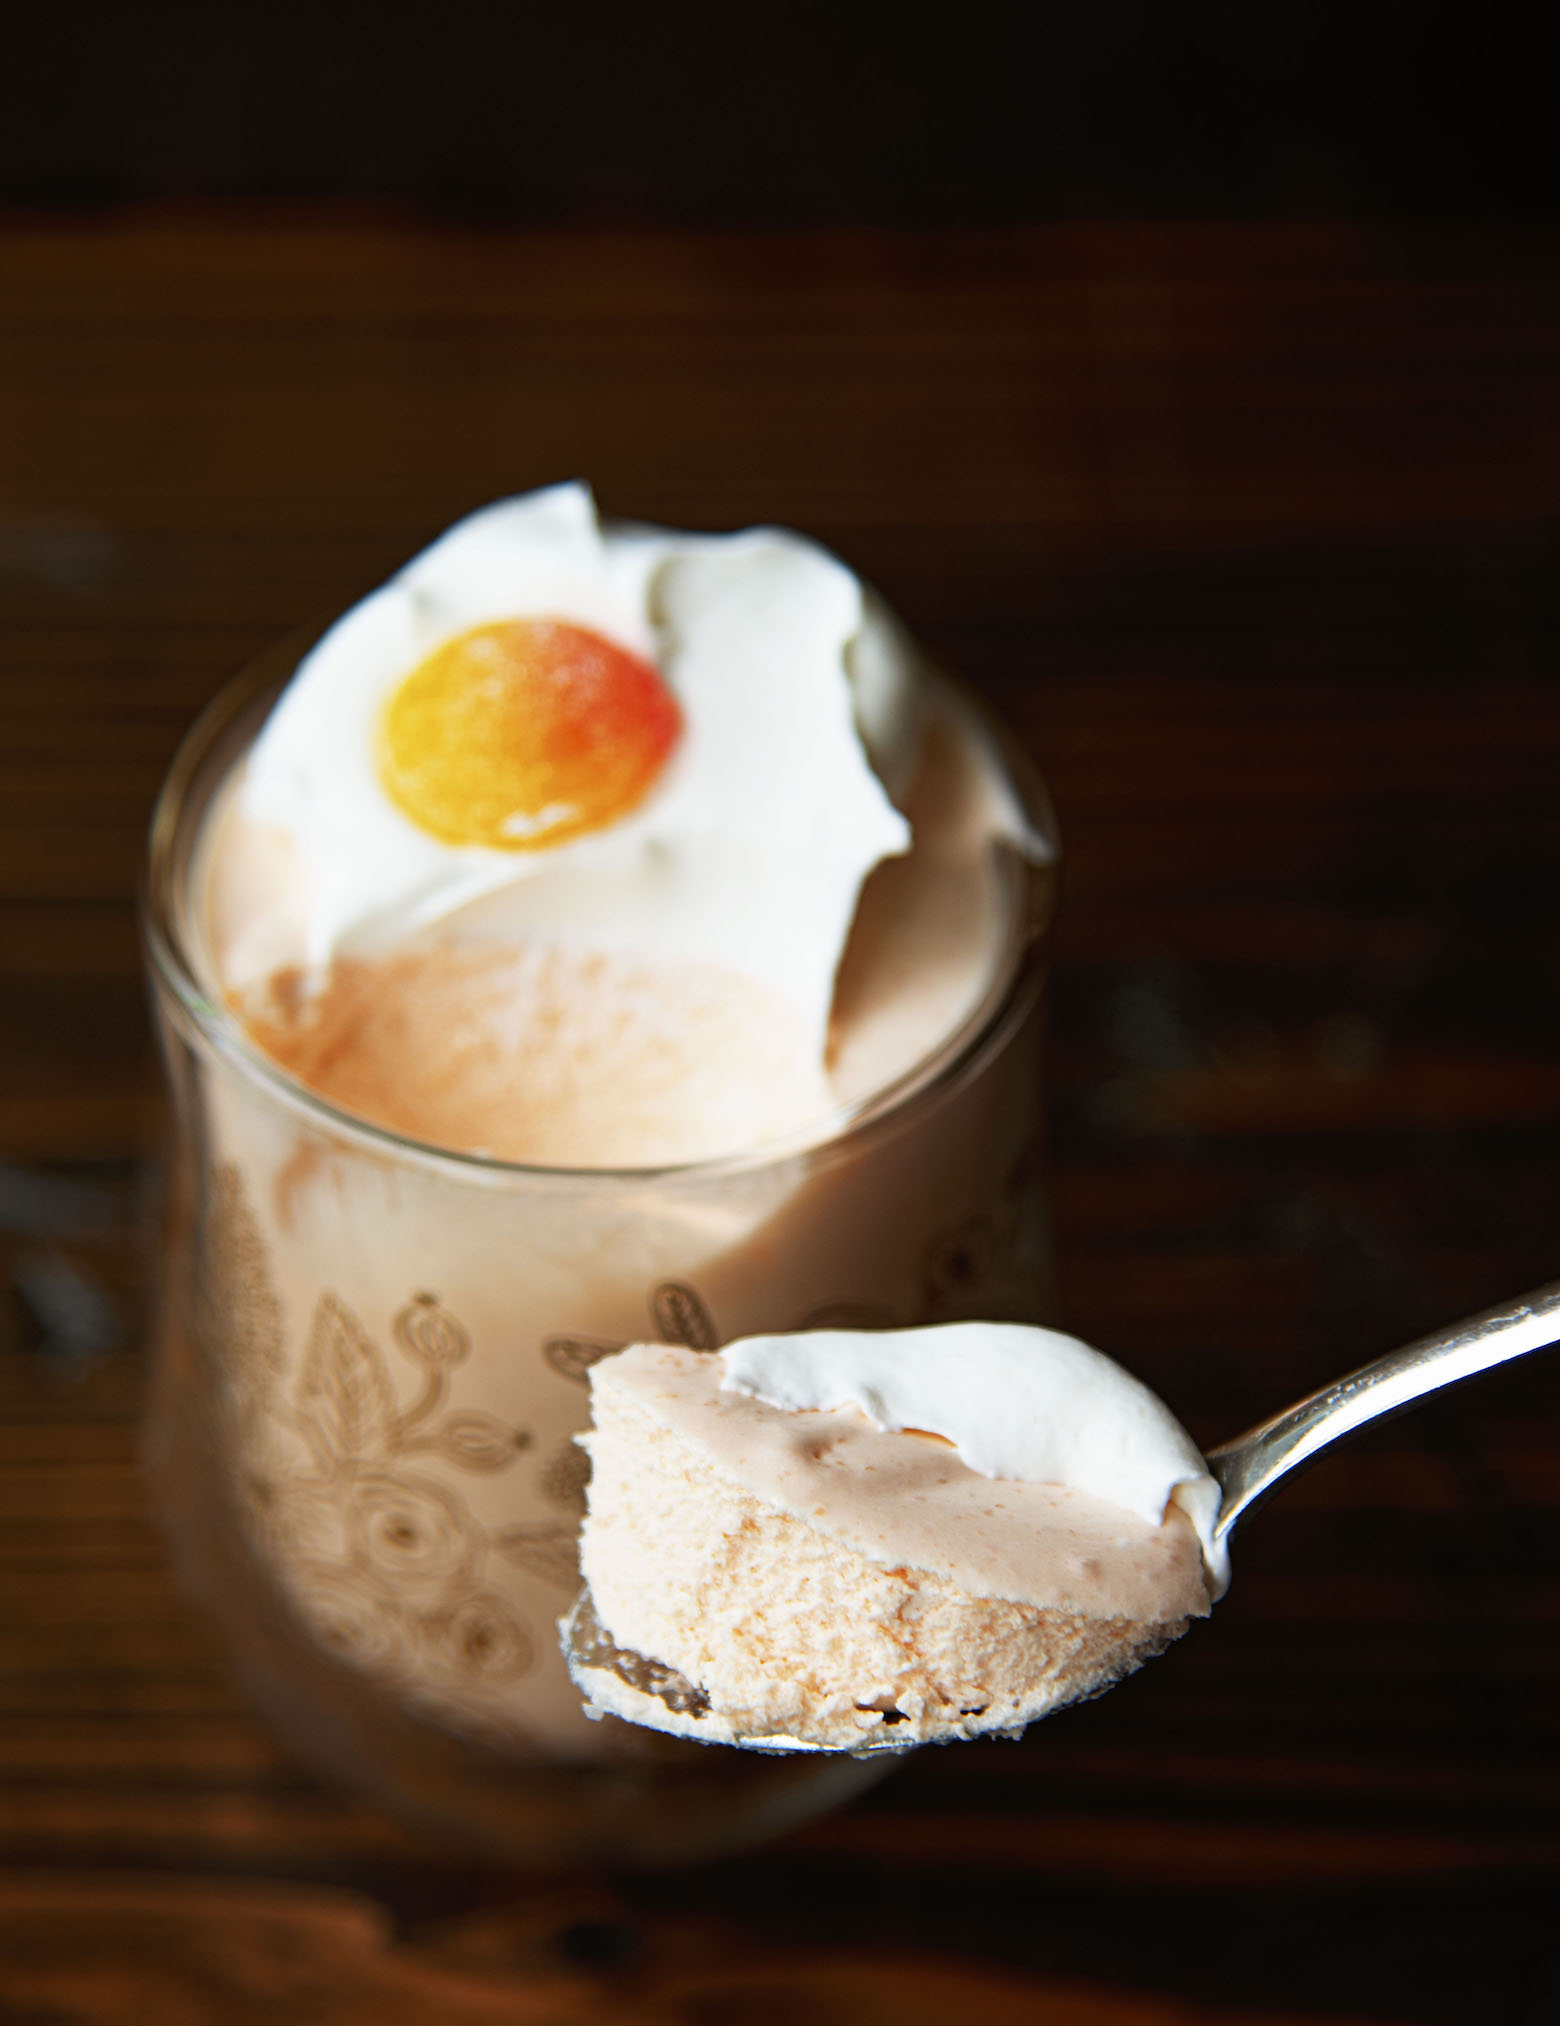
{"x": 1251, "y": 532}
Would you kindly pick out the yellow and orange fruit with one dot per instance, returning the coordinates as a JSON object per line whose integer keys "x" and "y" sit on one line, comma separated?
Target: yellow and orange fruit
{"x": 524, "y": 733}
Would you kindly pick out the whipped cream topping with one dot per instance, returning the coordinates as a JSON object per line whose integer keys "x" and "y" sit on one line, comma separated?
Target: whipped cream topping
{"x": 796, "y": 692}
{"x": 1015, "y": 1401}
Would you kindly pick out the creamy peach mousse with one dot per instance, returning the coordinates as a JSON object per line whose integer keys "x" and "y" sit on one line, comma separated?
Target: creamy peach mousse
{"x": 840, "y": 1538}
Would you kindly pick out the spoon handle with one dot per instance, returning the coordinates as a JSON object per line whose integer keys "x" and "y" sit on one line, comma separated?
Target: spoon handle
{"x": 1253, "y": 1464}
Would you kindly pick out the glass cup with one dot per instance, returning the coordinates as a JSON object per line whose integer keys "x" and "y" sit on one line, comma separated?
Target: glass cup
{"x": 372, "y": 1360}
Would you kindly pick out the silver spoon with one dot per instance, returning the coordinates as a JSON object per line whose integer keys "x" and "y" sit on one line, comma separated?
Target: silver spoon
{"x": 1247, "y": 1470}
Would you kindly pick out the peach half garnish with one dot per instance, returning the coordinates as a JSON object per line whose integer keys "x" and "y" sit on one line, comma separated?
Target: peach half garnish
{"x": 523, "y": 734}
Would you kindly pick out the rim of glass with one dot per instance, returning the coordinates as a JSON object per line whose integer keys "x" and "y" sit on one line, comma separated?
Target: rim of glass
{"x": 187, "y": 793}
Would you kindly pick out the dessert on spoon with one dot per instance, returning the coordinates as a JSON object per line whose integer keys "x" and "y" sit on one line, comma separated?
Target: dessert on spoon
{"x": 863, "y": 1542}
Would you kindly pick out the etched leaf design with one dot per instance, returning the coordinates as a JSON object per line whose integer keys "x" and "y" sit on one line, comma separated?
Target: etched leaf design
{"x": 430, "y": 1334}
{"x": 551, "y": 1552}
{"x": 572, "y": 1357}
{"x": 241, "y": 1310}
{"x": 681, "y": 1317}
{"x": 343, "y": 1393}
{"x": 564, "y": 1479}
{"x": 476, "y": 1441}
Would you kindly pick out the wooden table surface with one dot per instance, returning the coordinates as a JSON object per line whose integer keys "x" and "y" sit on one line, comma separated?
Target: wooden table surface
{"x": 1251, "y": 534}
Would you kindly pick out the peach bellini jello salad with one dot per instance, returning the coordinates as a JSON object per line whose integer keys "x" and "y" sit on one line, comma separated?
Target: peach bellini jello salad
{"x": 611, "y": 847}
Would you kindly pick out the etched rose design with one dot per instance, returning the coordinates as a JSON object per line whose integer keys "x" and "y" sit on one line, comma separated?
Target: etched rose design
{"x": 350, "y": 1618}
{"x": 486, "y": 1641}
{"x": 411, "y": 1532}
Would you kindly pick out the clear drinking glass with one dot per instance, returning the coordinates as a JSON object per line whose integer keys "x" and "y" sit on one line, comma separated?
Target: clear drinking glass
{"x": 372, "y": 1358}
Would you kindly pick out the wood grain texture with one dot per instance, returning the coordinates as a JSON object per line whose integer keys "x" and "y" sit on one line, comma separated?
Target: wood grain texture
{"x": 183, "y": 1950}
{"x": 1250, "y": 535}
